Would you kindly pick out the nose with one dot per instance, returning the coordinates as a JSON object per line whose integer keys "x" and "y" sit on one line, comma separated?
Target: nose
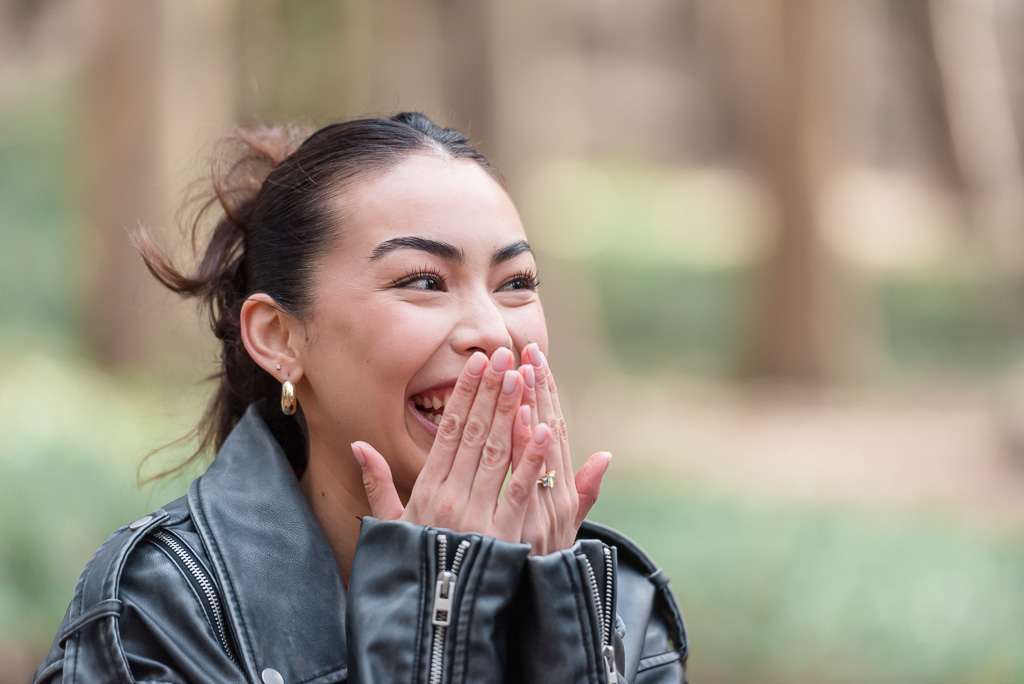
{"x": 481, "y": 326}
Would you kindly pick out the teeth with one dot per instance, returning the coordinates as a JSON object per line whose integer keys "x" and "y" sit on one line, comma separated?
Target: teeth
{"x": 436, "y": 418}
{"x": 435, "y": 403}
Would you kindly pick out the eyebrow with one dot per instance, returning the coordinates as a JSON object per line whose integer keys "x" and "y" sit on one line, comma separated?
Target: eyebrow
{"x": 447, "y": 251}
{"x": 442, "y": 250}
{"x": 510, "y": 252}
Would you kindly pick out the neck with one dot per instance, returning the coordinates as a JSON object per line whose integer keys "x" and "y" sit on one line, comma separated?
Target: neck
{"x": 333, "y": 485}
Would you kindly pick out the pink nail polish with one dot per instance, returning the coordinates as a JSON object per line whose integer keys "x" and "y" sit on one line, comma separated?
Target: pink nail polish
{"x": 541, "y": 433}
{"x": 537, "y": 356}
{"x": 476, "y": 364}
{"x": 359, "y": 456}
{"x": 529, "y": 376}
{"x": 524, "y": 415}
{"x": 508, "y": 383}
{"x": 501, "y": 359}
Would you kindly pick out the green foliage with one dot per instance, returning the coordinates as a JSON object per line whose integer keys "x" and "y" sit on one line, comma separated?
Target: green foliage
{"x": 692, "y": 319}
{"x": 782, "y": 592}
{"x": 37, "y": 272}
{"x": 952, "y": 324}
{"x": 71, "y": 439}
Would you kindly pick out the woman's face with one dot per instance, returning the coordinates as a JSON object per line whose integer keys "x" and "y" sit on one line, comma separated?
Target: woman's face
{"x": 431, "y": 266}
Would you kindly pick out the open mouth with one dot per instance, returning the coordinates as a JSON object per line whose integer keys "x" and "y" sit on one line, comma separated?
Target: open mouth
{"x": 431, "y": 404}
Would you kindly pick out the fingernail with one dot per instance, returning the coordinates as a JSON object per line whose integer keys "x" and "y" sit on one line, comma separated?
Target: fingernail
{"x": 543, "y": 360}
{"x": 509, "y": 382}
{"x": 538, "y": 358}
{"x": 529, "y": 376}
{"x": 501, "y": 359}
{"x": 476, "y": 363}
{"x": 524, "y": 415}
{"x": 357, "y": 451}
{"x": 541, "y": 433}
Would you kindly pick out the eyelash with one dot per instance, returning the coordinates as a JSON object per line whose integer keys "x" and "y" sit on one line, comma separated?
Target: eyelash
{"x": 527, "y": 278}
{"x": 424, "y": 273}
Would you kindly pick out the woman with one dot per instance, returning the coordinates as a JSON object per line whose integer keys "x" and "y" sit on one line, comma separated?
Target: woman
{"x": 406, "y": 511}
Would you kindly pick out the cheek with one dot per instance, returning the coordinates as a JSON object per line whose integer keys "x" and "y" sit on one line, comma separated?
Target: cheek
{"x": 382, "y": 345}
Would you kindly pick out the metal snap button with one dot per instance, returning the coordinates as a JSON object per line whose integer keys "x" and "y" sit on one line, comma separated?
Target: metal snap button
{"x": 140, "y": 522}
{"x": 272, "y": 676}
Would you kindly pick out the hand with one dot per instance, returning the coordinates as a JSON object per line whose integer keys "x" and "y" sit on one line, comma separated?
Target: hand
{"x": 460, "y": 483}
{"x": 557, "y": 512}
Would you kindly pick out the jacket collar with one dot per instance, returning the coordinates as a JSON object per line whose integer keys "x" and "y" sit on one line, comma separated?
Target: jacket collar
{"x": 282, "y": 589}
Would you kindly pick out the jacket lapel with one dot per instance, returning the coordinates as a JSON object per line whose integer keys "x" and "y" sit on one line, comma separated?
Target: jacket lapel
{"x": 281, "y": 584}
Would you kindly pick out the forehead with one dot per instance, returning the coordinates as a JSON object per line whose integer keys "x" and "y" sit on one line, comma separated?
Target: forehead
{"x": 429, "y": 196}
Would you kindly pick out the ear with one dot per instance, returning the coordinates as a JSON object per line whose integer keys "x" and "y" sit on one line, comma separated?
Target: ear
{"x": 270, "y": 336}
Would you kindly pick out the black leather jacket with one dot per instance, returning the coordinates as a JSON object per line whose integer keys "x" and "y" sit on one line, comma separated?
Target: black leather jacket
{"x": 236, "y": 582}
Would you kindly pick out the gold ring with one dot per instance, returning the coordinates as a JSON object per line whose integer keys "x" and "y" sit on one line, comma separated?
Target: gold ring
{"x": 548, "y": 481}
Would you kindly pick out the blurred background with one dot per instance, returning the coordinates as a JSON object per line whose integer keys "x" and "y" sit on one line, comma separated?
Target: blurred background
{"x": 782, "y": 245}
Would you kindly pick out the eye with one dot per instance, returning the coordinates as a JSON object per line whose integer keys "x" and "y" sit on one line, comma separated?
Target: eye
{"x": 523, "y": 280}
{"x": 430, "y": 281}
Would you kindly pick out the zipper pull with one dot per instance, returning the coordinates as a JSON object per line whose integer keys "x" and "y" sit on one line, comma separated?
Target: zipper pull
{"x": 608, "y": 657}
{"x": 444, "y": 592}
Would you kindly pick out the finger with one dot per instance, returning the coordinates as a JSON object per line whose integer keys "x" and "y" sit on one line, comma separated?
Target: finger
{"x": 453, "y": 421}
{"x": 521, "y": 432}
{"x": 563, "y": 434}
{"x": 546, "y": 414}
{"x": 529, "y": 390}
{"x": 588, "y": 483}
{"x": 496, "y": 456}
{"x": 522, "y": 486}
{"x": 380, "y": 486}
{"x": 478, "y": 421}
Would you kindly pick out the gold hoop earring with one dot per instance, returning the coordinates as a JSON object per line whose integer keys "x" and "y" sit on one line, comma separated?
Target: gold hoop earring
{"x": 288, "y": 402}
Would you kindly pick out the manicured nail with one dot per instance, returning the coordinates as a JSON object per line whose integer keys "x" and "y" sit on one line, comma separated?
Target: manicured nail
{"x": 509, "y": 382}
{"x": 524, "y": 415}
{"x": 529, "y": 376}
{"x": 537, "y": 357}
{"x": 357, "y": 451}
{"x": 476, "y": 363}
{"x": 543, "y": 360}
{"x": 541, "y": 433}
{"x": 501, "y": 359}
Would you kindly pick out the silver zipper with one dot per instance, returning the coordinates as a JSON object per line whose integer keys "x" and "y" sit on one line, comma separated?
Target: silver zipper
{"x": 609, "y": 587}
{"x": 444, "y": 595}
{"x": 205, "y": 584}
{"x": 605, "y": 614}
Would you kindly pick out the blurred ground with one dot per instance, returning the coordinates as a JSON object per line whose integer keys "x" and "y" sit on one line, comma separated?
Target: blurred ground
{"x": 954, "y": 450}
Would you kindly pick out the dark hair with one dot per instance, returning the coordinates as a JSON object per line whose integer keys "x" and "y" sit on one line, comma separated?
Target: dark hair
{"x": 273, "y": 187}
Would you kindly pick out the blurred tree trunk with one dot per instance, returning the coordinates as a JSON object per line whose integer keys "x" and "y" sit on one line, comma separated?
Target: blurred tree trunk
{"x": 120, "y": 139}
{"x": 785, "y": 70}
{"x": 981, "y": 124}
{"x": 161, "y": 71}
{"x": 466, "y": 70}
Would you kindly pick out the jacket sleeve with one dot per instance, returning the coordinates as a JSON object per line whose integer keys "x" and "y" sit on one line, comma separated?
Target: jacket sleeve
{"x": 587, "y": 617}
{"x": 423, "y": 602}
{"x": 566, "y": 621}
{"x": 117, "y": 629}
